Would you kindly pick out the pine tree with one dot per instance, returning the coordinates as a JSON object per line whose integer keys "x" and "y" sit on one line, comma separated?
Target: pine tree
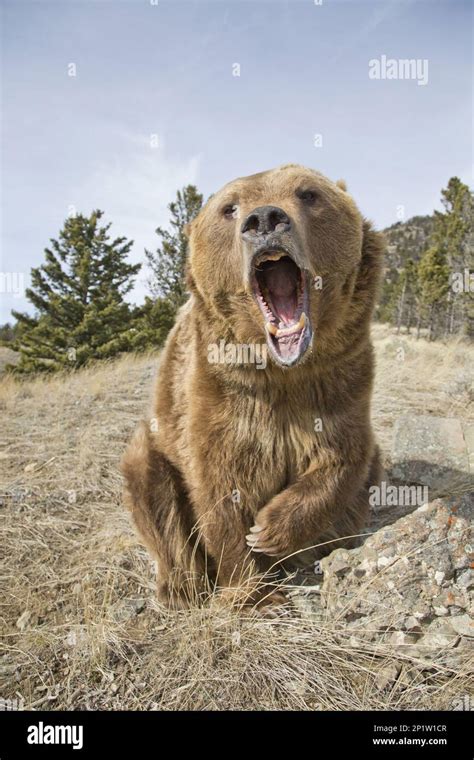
{"x": 412, "y": 289}
{"x": 153, "y": 321}
{"x": 78, "y": 295}
{"x": 168, "y": 262}
{"x": 454, "y": 229}
{"x": 433, "y": 275}
{"x": 386, "y": 308}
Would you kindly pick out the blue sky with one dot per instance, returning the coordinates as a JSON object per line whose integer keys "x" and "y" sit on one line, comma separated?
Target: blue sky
{"x": 166, "y": 69}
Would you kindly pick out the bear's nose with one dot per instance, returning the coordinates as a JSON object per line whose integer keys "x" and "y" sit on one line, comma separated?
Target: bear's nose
{"x": 263, "y": 220}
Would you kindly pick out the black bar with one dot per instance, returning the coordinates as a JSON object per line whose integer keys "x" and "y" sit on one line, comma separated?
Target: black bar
{"x": 379, "y": 734}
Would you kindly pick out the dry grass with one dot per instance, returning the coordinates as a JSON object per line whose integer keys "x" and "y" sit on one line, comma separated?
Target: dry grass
{"x": 7, "y": 356}
{"x": 81, "y": 627}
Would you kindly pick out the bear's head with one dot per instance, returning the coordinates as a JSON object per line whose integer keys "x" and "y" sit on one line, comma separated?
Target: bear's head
{"x": 285, "y": 256}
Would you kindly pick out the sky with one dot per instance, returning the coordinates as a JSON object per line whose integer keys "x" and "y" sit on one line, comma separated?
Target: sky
{"x": 115, "y": 104}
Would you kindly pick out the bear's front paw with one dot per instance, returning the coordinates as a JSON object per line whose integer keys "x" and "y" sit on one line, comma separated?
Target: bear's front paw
{"x": 271, "y": 534}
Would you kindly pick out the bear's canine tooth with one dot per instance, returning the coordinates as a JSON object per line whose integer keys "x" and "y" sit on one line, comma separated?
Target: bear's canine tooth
{"x": 271, "y": 328}
{"x": 292, "y": 329}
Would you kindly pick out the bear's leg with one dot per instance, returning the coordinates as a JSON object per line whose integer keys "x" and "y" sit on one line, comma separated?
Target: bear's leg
{"x": 329, "y": 500}
{"x": 348, "y": 528}
{"x": 243, "y": 579}
{"x": 156, "y": 497}
{"x": 353, "y": 521}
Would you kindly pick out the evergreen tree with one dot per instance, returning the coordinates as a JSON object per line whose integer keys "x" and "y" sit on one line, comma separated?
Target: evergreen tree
{"x": 78, "y": 295}
{"x": 168, "y": 262}
{"x": 434, "y": 286}
{"x": 153, "y": 321}
{"x": 454, "y": 229}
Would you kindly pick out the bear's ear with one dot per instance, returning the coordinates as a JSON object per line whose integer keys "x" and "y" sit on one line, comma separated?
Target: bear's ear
{"x": 188, "y": 277}
{"x": 341, "y": 184}
{"x": 371, "y": 264}
{"x": 188, "y": 228}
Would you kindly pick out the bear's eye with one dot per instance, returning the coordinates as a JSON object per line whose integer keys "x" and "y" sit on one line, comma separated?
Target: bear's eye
{"x": 230, "y": 211}
{"x": 307, "y": 196}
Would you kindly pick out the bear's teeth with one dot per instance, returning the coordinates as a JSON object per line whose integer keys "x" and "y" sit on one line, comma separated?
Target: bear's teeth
{"x": 271, "y": 328}
{"x": 271, "y": 257}
{"x": 288, "y": 330}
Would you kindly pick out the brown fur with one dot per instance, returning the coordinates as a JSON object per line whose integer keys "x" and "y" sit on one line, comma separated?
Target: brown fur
{"x": 234, "y": 429}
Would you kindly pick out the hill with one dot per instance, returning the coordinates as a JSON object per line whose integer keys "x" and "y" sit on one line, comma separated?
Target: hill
{"x": 410, "y": 238}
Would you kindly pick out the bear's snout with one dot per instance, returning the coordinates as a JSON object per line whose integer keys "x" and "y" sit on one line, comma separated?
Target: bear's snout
{"x": 265, "y": 220}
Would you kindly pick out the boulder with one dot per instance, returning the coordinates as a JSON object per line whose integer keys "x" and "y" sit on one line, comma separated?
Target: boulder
{"x": 433, "y": 452}
{"x": 409, "y": 586}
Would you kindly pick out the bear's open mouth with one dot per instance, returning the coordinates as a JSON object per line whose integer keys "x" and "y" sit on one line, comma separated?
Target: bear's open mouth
{"x": 280, "y": 289}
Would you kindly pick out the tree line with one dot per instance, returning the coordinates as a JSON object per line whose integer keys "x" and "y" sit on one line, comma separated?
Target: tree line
{"x": 431, "y": 291}
{"x": 79, "y": 293}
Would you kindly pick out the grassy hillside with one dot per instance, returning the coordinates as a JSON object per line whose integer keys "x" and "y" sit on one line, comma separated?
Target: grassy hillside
{"x": 407, "y": 239}
{"x": 80, "y": 624}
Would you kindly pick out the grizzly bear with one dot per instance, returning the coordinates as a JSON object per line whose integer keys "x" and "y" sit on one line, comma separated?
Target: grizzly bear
{"x": 259, "y": 449}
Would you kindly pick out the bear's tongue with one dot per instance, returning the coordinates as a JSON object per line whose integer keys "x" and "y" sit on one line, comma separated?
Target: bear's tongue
{"x": 281, "y": 280}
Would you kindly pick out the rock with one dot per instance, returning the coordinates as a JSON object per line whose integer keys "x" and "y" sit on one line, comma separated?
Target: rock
{"x": 341, "y": 564}
{"x": 430, "y": 451}
{"x": 400, "y": 638}
{"x": 439, "y": 635}
{"x": 368, "y": 565}
{"x": 127, "y": 609}
{"x": 412, "y": 624}
{"x": 464, "y": 625}
{"x": 465, "y": 579}
{"x": 387, "y": 675}
{"x": 418, "y": 598}
{"x": 306, "y": 607}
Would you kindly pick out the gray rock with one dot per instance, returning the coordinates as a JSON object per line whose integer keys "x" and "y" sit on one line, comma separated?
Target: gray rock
{"x": 430, "y": 451}
{"x": 465, "y": 579}
{"x": 127, "y": 609}
{"x": 401, "y": 639}
{"x": 464, "y": 625}
{"x": 387, "y": 676}
{"x": 341, "y": 562}
{"x": 417, "y": 598}
{"x": 440, "y": 634}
